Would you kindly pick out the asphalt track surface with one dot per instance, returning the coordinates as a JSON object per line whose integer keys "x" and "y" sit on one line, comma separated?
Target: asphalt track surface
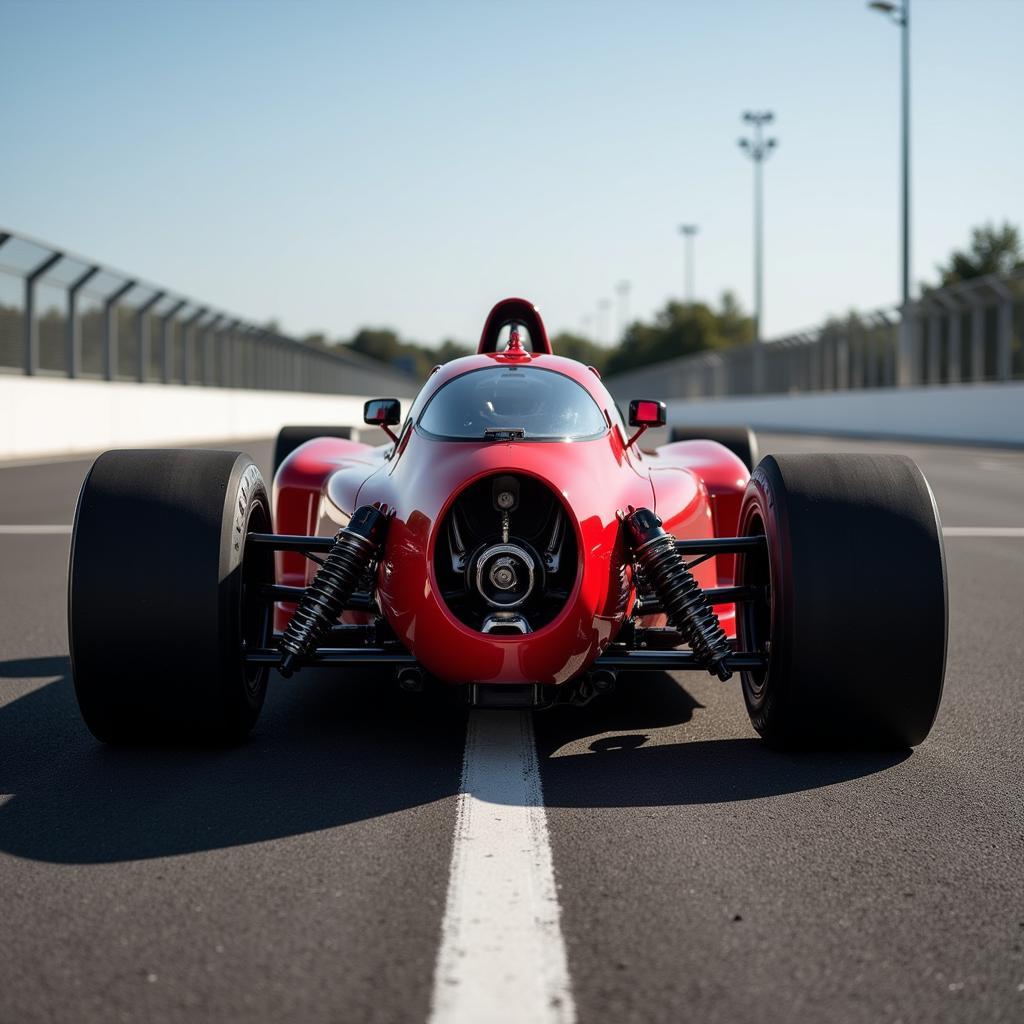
{"x": 700, "y": 876}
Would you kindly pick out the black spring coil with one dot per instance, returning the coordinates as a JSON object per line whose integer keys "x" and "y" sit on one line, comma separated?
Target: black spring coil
{"x": 686, "y": 605}
{"x": 325, "y": 598}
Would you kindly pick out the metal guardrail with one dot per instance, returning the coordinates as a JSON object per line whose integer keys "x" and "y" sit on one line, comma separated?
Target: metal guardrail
{"x": 65, "y": 315}
{"x": 970, "y": 332}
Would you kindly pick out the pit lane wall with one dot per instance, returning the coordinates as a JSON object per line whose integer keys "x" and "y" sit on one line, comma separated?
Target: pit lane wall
{"x": 969, "y": 414}
{"x": 41, "y": 416}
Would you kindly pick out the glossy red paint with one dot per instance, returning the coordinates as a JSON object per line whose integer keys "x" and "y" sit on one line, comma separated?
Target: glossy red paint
{"x": 299, "y": 493}
{"x": 725, "y": 477}
{"x": 509, "y": 311}
{"x": 422, "y": 486}
{"x": 694, "y": 486}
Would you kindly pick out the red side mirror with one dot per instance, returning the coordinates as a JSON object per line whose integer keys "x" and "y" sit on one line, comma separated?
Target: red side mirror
{"x": 646, "y": 412}
{"x": 384, "y": 413}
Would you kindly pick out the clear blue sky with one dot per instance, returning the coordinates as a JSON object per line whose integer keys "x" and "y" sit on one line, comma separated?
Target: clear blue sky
{"x": 406, "y": 164}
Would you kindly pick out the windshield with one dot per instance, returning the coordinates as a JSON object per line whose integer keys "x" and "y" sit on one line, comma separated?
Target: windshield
{"x": 513, "y": 402}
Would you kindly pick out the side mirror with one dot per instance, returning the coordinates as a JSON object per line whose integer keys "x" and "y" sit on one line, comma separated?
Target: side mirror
{"x": 384, "y": 413}
{"x": 645, "y": 412}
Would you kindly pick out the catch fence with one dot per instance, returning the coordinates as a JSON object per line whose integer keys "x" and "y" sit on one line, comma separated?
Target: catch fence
{"x": 65, "y": 315}
{"x": 969, "y": 332}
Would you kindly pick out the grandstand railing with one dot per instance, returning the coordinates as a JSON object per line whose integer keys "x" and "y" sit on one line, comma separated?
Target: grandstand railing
{"x": 969, "y": 332}
{"x": 65, "y": 315}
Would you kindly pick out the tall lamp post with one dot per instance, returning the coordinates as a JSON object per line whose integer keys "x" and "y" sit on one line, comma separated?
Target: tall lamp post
{"x": 688, "y": 231}
{"x": 758, "y": 148}
{"x": 899, "y": 13}
{"x": 622, "y": 290}
{"x": 603, "y": 305}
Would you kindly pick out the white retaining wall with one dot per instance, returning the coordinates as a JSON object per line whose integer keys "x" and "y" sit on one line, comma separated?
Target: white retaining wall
{"x": 975, "y": 414}
{"x": 46, "y": 416}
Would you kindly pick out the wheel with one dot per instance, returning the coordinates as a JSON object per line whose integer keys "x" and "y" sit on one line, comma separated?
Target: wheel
{"x": 741, "y": 441}
{"x": 156, "y": 622}
{"x": 289, "y": 438}
{"x": 856, "y": 624}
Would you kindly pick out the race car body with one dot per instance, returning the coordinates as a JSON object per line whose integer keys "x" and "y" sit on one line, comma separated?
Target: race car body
{"x": 535, "y": 592}
{"x": 513, "y": 538}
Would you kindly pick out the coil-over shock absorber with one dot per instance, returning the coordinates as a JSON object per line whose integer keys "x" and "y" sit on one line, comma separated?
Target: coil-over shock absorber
{"x": 686, "y": 605}
{"x": 355, "y": 546}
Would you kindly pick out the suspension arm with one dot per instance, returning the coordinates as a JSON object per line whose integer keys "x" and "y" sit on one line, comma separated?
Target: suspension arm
{"x": 720, "y": 545}
{"x": 676, "y": 661}
{"x": 360, "y": 601}
{"x": 335, "y": 657}
{"x": 290, "y": 542}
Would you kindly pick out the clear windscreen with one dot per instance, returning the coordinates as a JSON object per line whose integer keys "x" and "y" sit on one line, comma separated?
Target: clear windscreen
{"x": 504, "y": 401}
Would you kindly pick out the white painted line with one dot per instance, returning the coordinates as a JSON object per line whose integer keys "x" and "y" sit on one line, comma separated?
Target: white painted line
{"x": 502, "y": 958}
{"x": 983, "y": 531}
{"x": 38, "y": 529}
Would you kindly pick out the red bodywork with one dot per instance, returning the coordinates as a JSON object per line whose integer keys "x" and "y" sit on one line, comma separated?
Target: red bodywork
{"x": 694, "y": 486}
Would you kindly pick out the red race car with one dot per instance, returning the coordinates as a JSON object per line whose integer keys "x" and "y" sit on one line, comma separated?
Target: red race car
{"x": 515, "y": 539}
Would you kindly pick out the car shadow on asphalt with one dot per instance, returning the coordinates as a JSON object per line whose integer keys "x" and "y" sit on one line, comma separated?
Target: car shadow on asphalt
{"x": 324, "y": 754}
{"x": 329, "y": 753}
{"x": 625, "y": 770}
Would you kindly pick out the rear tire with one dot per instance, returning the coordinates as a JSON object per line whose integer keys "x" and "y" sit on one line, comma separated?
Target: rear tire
{"x": 156, "y": 620}
{"x": 857, "y": 622}
{"x": 289, "y": 438}
{"x": 741, "y": 441}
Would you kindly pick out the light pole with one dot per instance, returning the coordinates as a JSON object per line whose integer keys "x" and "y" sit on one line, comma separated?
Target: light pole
{"x": 900, "y": 15}
{"x": 688, "y": 231}
{"x": 758, "y": 148}
{"x": 622, "y": 290}
{"x": 603, "y": 305}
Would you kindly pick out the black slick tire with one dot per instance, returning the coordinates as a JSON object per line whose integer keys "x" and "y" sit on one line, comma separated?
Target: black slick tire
{"x": 856, "y": 626}
{"x": 156, "y": 620}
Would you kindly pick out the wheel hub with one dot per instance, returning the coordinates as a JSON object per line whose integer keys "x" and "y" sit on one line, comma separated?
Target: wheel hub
{"x": 505, "y": 575}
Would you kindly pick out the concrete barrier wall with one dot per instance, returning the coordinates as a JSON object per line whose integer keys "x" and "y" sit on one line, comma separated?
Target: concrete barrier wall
{"x": 42, "y": 416}
{"x": 975, "y": 414}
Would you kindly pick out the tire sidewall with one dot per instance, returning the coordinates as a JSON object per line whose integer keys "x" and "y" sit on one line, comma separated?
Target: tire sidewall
{"x": 858, "y": 617}
{"x": 766, "y": 694}
{"x": 157, "y": 611}
{"x": 246, "y": 510}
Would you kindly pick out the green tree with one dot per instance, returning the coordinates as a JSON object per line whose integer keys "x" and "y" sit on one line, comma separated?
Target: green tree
{"x": 448, "y": 350}
{"x": 677, "y": 330}
{"x": 575, "y": 346}
{"x": 992, "y": 250}
{"x": 682, "y": 329}
{"x": 376, "y": 342}
{"x": 733, "y": 324}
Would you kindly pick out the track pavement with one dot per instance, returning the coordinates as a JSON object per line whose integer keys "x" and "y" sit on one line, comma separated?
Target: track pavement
{"x": 305, "y": 875}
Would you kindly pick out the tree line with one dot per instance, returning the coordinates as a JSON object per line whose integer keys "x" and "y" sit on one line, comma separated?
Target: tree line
{"x": 684, "y": 328}
{"x": 677, "y": 329}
